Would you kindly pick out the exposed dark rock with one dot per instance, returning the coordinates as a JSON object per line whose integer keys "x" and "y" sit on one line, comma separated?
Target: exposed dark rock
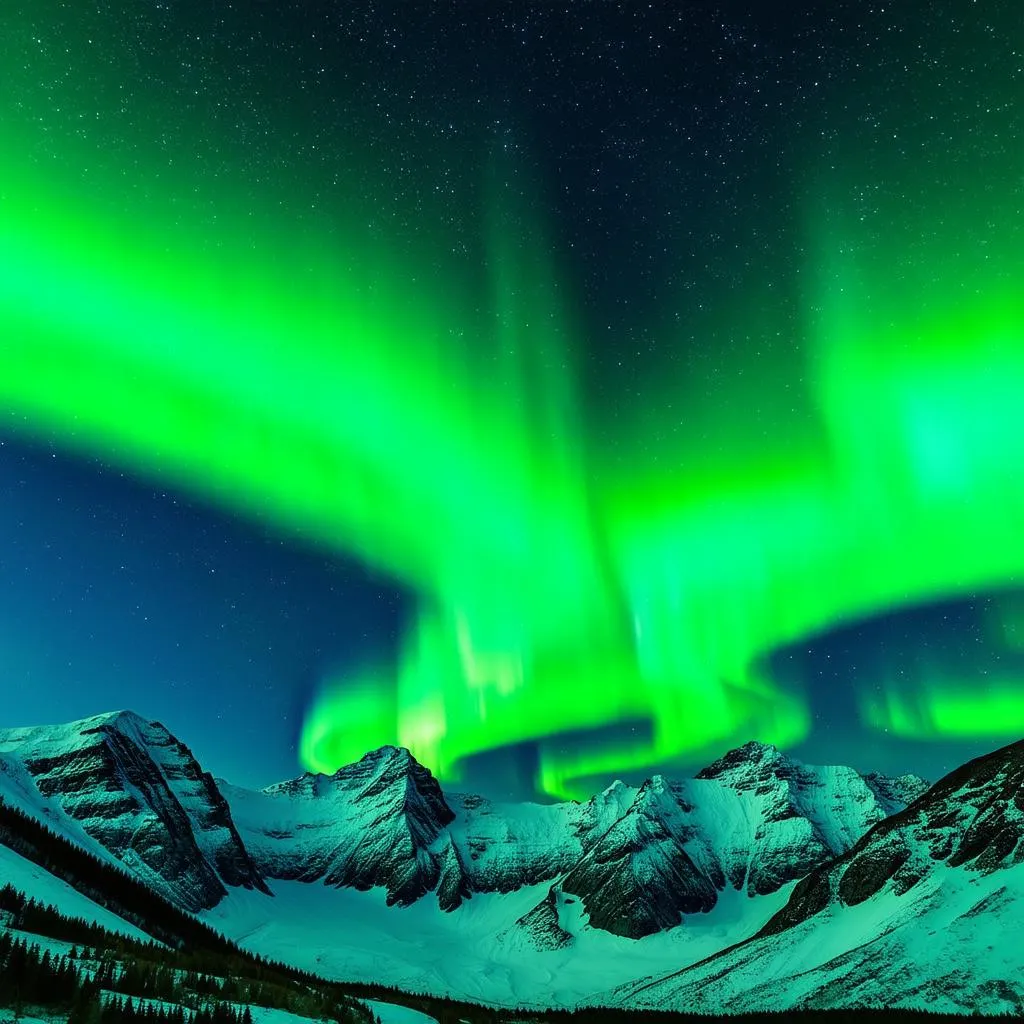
{"x": 540, "y": 926}
{"x": 141, "y": 795}
{"x": 637, "y": 879}
{"x": 865, "y": 875}
{"x": 969, "y": 818}
{"x": 379, "y": 822}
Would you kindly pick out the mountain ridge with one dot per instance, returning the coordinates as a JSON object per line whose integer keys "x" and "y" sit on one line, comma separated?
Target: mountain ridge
{"x": 638, "y": 858}
{"x": 760, "y": 881}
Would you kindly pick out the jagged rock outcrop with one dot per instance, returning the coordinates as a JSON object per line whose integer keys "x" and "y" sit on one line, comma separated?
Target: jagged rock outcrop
{"x": 974, "y": 817}
{"x": 380, "y": 822}
{"x": 637, "y": 878}
{"x": 894, "y": 792}
{"x": 540, "y": 928}
{"x": 804, "y": 814}
{"x": 755, "y": 820}
{"x": 139, "y": 793}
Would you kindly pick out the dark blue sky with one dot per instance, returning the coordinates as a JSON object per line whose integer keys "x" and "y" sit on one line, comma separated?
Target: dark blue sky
{"x": 114, "y": 594}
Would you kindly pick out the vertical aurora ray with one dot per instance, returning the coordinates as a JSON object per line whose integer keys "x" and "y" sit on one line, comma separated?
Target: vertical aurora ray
{"x": 875, "y": 466}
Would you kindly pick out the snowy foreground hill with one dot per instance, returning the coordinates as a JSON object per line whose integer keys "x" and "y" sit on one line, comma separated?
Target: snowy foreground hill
{"x": 760, "y": 883}
{"x": 925, "y": 910}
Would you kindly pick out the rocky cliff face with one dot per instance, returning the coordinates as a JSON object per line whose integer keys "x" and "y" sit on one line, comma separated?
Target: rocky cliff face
{"x": 637, "y": 878}
{"x": 139, "y": 793}
{"x": 972, "y": 818}
{"x": 754, "y": 820}
{"x": 896, "y": 792}
{"x": 795, "y": 816}
{"x": 380, "y": 822}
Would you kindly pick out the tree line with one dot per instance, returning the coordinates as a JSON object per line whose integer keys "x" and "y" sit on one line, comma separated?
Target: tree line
{"x": 33, "y": 978}
{"x": 145, "y": 970}
{"x": 104, "y": 883}
{"x": 178, "y": 939}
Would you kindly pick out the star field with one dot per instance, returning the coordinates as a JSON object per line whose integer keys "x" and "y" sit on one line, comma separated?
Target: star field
{"x": 563, "y": 391}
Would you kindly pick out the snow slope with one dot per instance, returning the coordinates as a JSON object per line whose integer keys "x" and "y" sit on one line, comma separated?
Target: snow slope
{"x": 389, "y": 1013}
{"x": 38, "y": 884}
{"x": 951, "y": 946}
{"x": 923, "y": 912}
{"x": 469, "y": 953}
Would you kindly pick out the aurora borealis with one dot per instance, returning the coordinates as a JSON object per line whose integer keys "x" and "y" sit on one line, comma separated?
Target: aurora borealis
{"x": 632, "y": 391}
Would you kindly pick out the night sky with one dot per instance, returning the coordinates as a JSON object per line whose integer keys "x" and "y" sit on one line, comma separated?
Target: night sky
{"x": 566, "y": 392}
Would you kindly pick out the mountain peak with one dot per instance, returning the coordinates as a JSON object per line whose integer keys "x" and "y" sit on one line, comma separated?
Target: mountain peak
{"x": 389, "y": 752}
{"x": 138, "y": 791}
{"x": 121, "y": 716}
{"x": 896, "y": 791}
{"x": 381, "y": 821}
{"x": 123, "y": 721}
{"x": 129, "y": 723}
{"x": 397, "y": 759}
{"x": 751, "y": 753}
{"x": 756, "y": 746}
{"x": 656, "y": 785}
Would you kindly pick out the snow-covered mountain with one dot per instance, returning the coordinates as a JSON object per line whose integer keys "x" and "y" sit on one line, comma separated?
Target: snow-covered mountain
{"x": 923, "y": 911}
{"x": 637, "y": 859}
{"x": 640, "y": 860}
{"x": 126, "y": 788}
{"x": 794, "y": 816}
{"x": 380, "y": 822}
{"x": 761, "y": 881}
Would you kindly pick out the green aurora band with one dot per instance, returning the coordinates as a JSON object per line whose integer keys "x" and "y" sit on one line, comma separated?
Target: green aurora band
{"x": 425, "y": 417}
